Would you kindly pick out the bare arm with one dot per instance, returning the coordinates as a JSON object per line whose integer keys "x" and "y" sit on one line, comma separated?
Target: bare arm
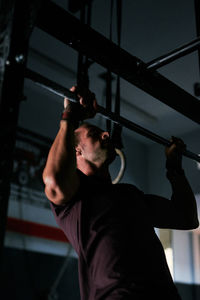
{"x": 181, "y": 211}
{"x": 178, "y": 213}
{"x": 60, "y": 175}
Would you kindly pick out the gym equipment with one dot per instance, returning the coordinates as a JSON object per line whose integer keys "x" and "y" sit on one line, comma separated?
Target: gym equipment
{"x": 19, "y": 18}
{"x": 63, "y": 92}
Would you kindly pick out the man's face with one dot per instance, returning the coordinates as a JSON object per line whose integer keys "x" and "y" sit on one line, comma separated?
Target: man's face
{"x": 95, "y": 145}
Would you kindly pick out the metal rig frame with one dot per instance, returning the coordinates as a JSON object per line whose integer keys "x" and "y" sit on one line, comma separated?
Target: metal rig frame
{"x": 17, "y": 19}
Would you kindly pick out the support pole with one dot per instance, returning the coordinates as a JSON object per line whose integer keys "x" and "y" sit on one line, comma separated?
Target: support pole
{"x": 173, "y": 55}
{"x": 63, "y": 92}
{"x": 6, "y": 18}
{"x": 197, "y": 18}
{"x": 23, "y": 18}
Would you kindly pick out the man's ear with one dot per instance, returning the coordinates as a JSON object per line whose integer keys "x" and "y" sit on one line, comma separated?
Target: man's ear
{"x": 78, "y": 151}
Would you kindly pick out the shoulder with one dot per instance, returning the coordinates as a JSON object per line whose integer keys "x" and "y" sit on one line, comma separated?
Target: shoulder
{"x": 64, "y": 209}
{"x": 129, "y": 188}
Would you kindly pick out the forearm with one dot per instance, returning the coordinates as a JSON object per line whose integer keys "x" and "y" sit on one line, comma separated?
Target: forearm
{"x": 183, "y": 199}
{"x": 60, "y": 170}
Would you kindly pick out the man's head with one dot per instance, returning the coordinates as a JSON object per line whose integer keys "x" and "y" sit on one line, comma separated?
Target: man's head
{"x": 93, "y": 147}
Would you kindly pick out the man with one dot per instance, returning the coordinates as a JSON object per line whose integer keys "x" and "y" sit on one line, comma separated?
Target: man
{"x": 111, "y": 226}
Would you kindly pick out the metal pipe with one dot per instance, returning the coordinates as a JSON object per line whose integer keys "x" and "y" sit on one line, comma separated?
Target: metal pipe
{"x": 197, "y": 19}
{"x": 173, "y": 55}
{"x": 63, "y": 92}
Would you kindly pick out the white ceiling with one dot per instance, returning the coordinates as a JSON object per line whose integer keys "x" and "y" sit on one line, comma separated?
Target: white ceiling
{"x": 150, "y": 28}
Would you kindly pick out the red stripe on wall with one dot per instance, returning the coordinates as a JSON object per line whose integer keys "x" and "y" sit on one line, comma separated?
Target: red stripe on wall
{"x": 35, "y": 229}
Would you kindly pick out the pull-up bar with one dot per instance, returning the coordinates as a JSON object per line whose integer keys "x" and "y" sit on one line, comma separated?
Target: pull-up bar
{"x": 63, "y": 92}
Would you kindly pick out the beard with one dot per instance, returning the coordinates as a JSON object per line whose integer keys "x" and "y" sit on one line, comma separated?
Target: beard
{"x": 103, "y": 154}
{"x": 110, "y": 153}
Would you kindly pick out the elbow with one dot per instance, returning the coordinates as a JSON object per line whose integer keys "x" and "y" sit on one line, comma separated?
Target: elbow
{"x": 195, "y": 224}
{"x": 60, "y": 191}
{"x": 192, "y": 224}
{"x": 53, "y": 190}
{"x": 194, "y": 221}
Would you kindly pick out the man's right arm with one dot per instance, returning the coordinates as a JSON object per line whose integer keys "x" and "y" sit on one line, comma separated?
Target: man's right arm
{"x": 60, "y": 176}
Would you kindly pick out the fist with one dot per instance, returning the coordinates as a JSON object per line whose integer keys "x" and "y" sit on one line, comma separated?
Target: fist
{"x": 174, "y": 153}
{"x": 86, "y": 108}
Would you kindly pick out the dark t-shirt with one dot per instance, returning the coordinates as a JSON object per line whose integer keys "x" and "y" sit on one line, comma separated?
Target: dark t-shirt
{"x": 120, "y": 256}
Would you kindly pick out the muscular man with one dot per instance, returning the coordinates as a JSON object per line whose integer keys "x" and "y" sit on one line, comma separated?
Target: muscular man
{"x": 111, "y": 226}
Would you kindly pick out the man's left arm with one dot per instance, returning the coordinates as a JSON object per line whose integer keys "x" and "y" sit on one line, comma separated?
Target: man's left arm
{"x": 181, "y": 211}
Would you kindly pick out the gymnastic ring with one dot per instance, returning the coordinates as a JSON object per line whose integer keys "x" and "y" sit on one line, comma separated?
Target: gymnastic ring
{"x": 122, "y": 168}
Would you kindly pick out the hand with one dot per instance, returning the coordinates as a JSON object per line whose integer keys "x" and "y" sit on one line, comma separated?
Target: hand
{"x": 174, "y": 154}
{"x": 87, "y": 106}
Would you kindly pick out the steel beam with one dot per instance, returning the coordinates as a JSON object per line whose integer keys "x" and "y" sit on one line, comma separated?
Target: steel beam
{"x": 68, "y": 29}
{"x": 63, "y": 92}
{"x": 197, "y": 19}
{"x": 173, "y": 55}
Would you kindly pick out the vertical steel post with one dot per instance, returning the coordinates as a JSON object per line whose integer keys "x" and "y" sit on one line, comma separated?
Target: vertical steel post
{"x": 197, "y": 17}
{"x": 197, "y": 14}
{"x": 23, "y": 19}
{"x": 6, "y": 18}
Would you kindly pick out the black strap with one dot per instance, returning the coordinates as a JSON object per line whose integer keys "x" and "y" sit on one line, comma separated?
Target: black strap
{"x": 83, "y": 61}
{"x": 109, "y": 76}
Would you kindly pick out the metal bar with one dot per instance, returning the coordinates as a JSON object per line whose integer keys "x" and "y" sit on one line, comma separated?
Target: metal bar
{"x": 63, "y": 92}
{"x": 49, "y": 85}
{"x": 173, "y": 55}
{"x": 6, "y": 17}
{"x": 197, "y": 19}
{"x": 106, "y": 53}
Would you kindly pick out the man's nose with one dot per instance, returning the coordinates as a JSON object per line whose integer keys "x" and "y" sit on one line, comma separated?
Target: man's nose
{"x": 105, "y": 135}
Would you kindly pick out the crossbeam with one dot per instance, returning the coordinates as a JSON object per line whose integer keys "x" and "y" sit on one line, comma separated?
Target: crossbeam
{"x": 63, "y": 92}
{"x": 68, "y": 29}
{"x": 173, "y": 55}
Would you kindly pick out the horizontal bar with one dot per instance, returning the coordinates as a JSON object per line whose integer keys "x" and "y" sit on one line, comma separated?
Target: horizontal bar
{"x": 68, "y": 29}
{"x": 173, "y": 55}
{"x": 63, "y": 92}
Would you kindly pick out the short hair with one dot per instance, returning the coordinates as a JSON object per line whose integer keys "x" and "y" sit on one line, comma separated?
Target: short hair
{"x": 77, "y": 134}
{"x": 84, "y": 125}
